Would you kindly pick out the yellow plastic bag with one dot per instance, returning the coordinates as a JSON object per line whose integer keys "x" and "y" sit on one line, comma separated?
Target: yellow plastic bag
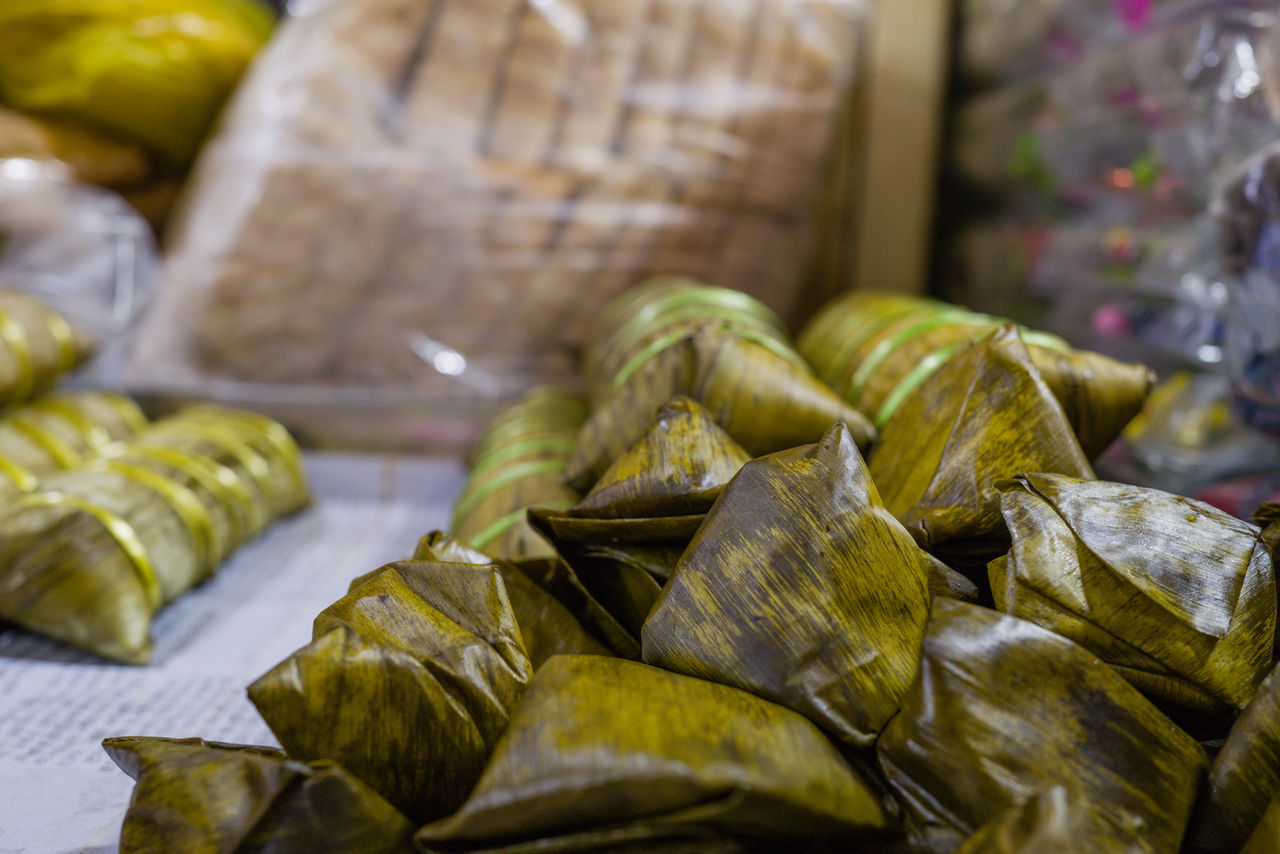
{"x": 154, "y": 72}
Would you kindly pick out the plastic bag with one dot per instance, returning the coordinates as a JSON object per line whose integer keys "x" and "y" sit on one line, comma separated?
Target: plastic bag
{"x": 154, "y": 72}
{"x": 1135, "y": 135}
{"x": 79, "y": 249}
{"x": 1002, "y": 40}
{"x": 425, "y": 204}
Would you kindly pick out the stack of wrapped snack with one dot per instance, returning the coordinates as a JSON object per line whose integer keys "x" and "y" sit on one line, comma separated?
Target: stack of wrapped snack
{"x": 802, "y": 673}
{"x": 92, "y": 552}
{"x": 1081, "y": 183}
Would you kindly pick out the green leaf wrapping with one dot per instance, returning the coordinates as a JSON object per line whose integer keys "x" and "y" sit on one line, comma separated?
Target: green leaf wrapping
{"x": 604, "y": 744}
{"x": 801, "y": 588}
{"x": 1002, "y": 709}
{"x": 1179, "y": 596}
{"x": 433, "y": 647}
{"x": 201, "y": 797}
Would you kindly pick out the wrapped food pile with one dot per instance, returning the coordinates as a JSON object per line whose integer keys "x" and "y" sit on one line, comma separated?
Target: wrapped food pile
{"x": 725, "y": 646}
{"x": 90, "y": 552}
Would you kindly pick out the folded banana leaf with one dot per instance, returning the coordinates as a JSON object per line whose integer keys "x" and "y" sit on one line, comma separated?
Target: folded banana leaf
{"x": 983, "y": 417}
{"x": 61, "y": 432}
{"x": 719, "y": 348}
{"x": 37, "y": 347}
{"x": 1179, "y": 597}
{"x": 1265, "y": 839}
{"x": 435, "y": 649}
{"x": 519, "y": 462}
{"x": 559, "y": 579}
{"x": 1244, "y": 777}
{"x": 1267, "y": 517}
{"x": 1002, "y": 709}
{"x": 644, "y": 510}
{"x": 92, "y": 556}
{"x": 1053, "y": 821}
{"x": 800, "y": 587}
{"x": 202, "y": 797}
{"x": 546, "y": 626}
{"x": 877, "y": 349}
{"x": 602, "y": 745}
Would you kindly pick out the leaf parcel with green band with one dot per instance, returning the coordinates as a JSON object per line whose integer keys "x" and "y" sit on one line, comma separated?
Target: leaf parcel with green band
{"x": 435, "y": 648}
{"x": 519, "y": 462}
{"x": 202, "y": 797}
{"x": 877, "y": 349}
{"x": 61, "y": 432}
{"x": 1178, "y": 596}
{"x": 37, "y": 347}
{"x": 984, "y": 417}
{"x": 546, "y": 626}
{"x": 1244, "y": 777}
{"x": 644, "y": 510}
{"x": 800, "y": 587}
{"x": 603, "y": 744}
{"x": 1001, "y": 710}
{"x": 718, "y": 347}
{"x": 93, "y": 555}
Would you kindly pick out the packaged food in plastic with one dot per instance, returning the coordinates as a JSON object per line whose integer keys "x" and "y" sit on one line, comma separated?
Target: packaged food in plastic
{"x": 154, "y": 72}
{"x": 96, "y": 551}
{"x": 80, "y": 250}
{"x": 1134, "y": 135}
{"x": 413, "y": 202}
{"x": 1001, "y": 40}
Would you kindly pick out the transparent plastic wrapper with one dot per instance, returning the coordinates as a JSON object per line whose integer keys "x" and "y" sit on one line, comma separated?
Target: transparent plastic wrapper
{"x": 80, "y": 250}
{"x": 1149, "y": 295}
{"x": 154, "y": 72}
{"x": 1002, "y": 40}
{"x": 96, "y": 551}
{"x": 429, "y": 202}
{"x": 1135, "y": 135}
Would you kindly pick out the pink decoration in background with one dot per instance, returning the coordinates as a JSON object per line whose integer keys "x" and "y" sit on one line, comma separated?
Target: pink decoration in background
{"x": 1136, "y": 14}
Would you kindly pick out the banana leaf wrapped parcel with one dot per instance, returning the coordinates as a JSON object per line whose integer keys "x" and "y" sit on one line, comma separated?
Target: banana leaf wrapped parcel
{"x": 1052, "y": 821}
{"x": 985, "y": 416}
{"x": 723, "y": 349}
{"x": 98, "y": 550}
{"x": 61, "y": 432}
{"x": 1244, "y": 778}
{"x": 1178, "y": 596}
{"x": 801, "y": 588}
{"x": 519, "y": 462}
{"x": 604, "y": 751}
{"x": 877, "y": 349}
{"x": 38, "y": 346}
{"x": 624, "y": 538}
{"x": 433, "y": 647}
{"x": 1002, "y": 710}
{"x": 202, "y": 797}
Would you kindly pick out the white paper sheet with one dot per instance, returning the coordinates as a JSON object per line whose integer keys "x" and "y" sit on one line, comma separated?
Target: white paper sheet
{"x": 59, "y": 793}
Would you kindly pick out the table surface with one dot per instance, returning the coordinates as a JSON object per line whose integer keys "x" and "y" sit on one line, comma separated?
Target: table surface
{"x": 59, "y": 793}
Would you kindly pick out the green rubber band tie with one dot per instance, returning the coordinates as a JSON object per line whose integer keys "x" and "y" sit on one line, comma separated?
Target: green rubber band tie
{"x": 120, "y": 530}
{"x": 912, "y": 381}
{"x": 1044, "y": 340}
{"x": 479, "y": 490}
{"x": 22, "y": 479}
{"x": 492, "y": 532}
{"x": 518, "y": 432}
{"x": 832, "y": 324}
{"x": 62, "y": 453}
{"x": 531, "y": 445}
{"x": 652, "y": 350}
{"x": 713, "y": 301}
{"x": 219, "y": 480}
{"x": 862, "y": 332}
{"x": 15, "y": 338}
{"x": 734, "y": 321}
{"x": 190, "y": 511}
{"x": 631, "y": 334}
{"x": 886, "y": 347}
{"x": 95, "y": 435}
